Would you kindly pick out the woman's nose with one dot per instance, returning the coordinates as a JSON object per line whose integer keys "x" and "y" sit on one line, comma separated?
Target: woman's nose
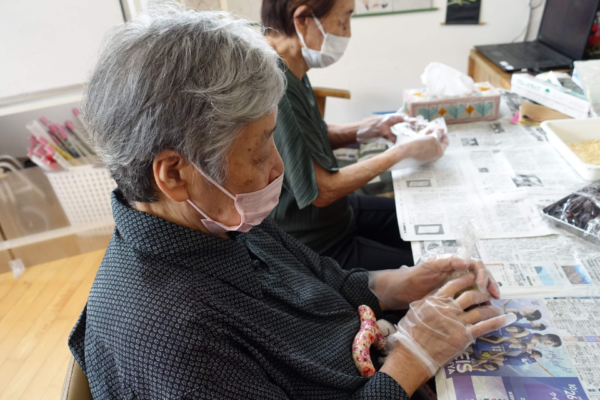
{"x": 277, "y": 169}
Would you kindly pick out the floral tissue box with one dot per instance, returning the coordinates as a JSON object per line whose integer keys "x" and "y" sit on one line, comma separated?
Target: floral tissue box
{"x": 482, "y": 105}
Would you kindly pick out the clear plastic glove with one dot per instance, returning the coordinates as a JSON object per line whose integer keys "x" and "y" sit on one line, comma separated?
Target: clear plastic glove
{"x": 428, "y": 148}
{"x": 437, "y": 328}
{"x": 397, "y": 288}
{"x": 379, "y": 127}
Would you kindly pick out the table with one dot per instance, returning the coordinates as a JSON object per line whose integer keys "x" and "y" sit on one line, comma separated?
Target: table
{"x": 500, "y": 176}
{"x": 33, "y": 225}
{"x": 483, "y": 70}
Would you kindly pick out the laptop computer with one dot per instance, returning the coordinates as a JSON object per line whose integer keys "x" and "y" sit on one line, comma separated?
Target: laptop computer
{"x": 563, "y": 36}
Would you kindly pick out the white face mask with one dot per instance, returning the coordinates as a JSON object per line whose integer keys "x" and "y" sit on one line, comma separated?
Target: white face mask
{"x": 253, "y": 207}
{"x": 332, "y": 50}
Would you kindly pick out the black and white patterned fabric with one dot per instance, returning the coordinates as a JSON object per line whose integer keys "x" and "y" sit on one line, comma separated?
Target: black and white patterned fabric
{"x": 178, "y": 314}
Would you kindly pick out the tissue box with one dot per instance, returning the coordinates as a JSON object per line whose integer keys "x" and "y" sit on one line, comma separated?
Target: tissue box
{"x": 481, "y": 105}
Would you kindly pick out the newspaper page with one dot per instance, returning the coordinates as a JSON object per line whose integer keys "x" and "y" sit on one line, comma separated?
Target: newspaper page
{"x": 497, "y": 174}
{"x": 551, "y": 352}
{"x": 557, "y": 265}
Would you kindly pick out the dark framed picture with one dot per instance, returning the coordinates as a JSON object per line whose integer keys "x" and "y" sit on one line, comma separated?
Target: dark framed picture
{"x": 463, "y": 12}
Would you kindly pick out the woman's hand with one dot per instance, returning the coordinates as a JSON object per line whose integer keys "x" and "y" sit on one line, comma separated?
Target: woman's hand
{"x": 398, "y": 288}
{"x": 437, "y": 328}
{"x": 428, "y": 148}
{"x": 377, "y": 127}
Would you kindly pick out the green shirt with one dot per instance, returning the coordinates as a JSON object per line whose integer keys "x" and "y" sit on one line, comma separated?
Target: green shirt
{"x": 301, "y": 137}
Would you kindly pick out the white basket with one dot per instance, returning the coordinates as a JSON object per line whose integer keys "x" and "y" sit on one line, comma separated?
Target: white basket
{"x": 84, "y": 193}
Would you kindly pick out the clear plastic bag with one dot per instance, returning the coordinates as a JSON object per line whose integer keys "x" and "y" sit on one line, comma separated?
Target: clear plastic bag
{"x": 587, "y": 75}
{"x": 416, "y": 129}
{"x": 17, "y": 267}
{"x": 580, "y": 212}
{"x": 467, "y": 235}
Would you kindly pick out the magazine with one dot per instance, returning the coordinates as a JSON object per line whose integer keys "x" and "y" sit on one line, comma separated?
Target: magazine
{"x": 552, "y": 352}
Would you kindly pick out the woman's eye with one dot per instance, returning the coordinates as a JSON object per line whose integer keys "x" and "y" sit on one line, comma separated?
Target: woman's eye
{"x": 262, "y": 159}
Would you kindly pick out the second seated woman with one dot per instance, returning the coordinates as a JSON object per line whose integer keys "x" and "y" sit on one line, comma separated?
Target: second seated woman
{"x": 317, "y": 205}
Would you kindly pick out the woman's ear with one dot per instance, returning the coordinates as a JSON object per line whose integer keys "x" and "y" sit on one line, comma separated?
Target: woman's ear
{"x": 300, "y": 21}
{"x": 171, "y": 175}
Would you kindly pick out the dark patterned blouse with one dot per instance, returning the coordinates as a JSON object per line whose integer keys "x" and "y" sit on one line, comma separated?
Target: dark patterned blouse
{"x": 178, "y": 314}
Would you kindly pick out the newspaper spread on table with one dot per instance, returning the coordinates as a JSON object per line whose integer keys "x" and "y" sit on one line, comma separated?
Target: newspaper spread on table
{"x": 556, "y": 265}
{"x": 498, "y": 174}
{"x": 550, "y": 353}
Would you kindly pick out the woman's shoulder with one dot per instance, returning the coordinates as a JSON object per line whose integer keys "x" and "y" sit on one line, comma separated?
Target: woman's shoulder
{"x": 135, "y": 286}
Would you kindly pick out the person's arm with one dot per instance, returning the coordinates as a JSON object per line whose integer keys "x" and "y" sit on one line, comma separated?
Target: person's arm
{"x": 544, "y": 369}
{"x": 498, "y": 356}
{"x": 520, "y": 335}
{"x": 494, "y": 341}
{"x": 406, "y": 369}
{"x": 341, "y": 135}
{"x": 336, "y": 185}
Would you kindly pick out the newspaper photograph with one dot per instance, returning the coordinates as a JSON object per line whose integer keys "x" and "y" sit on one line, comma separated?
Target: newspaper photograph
{"x": 557, "y": 265}
{"x": 495, "y": 173}
{"x": 535, "y": 358}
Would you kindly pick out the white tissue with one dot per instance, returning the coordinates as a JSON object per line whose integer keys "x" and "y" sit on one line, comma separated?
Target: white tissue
{"x": 442, "y": 80}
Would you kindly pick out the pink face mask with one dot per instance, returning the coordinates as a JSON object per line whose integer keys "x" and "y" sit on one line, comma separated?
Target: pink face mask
{"x": 253, "y": 207}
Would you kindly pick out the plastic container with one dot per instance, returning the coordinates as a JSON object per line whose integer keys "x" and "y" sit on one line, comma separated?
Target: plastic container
{"x": 565, "y": 131}
{"x": 84, "y": 193}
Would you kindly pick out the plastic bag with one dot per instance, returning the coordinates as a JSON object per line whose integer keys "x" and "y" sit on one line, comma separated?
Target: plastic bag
{"x": 587, "y": 75}
{"x": 467, "y": 236}
{"x": 580, "y": 212}
{"x": 17, "y": 267}
{"x": 415, "y": 129}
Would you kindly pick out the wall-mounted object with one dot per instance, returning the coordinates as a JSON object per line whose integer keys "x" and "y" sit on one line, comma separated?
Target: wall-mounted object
{"x": 463, "y": 12}
{"x": 369, "y": 8}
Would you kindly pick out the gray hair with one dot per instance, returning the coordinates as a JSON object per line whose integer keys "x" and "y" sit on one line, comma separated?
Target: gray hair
{"x": 181, "y": 80}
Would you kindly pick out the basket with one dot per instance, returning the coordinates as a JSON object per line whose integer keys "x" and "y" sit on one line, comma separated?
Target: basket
{"x": 84, "y": 193}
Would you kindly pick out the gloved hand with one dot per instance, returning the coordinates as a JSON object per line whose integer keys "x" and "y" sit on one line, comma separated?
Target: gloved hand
{"x": 379, "y": 127}
{"x": 397, "y": 288}
{"x": 436, "y": 329}
{"x": 428, "y": 148}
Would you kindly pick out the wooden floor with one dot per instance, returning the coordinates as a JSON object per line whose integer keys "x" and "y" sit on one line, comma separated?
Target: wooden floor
{"x": 37, "y": 313}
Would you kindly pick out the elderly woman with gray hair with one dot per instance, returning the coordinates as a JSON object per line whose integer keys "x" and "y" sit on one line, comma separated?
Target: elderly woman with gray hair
{"x": 200, "y": 295}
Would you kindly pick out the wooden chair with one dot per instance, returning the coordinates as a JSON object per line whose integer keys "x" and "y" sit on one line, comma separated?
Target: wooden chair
{"x": 323, "y": 93}
{"x": 76, "y": 386}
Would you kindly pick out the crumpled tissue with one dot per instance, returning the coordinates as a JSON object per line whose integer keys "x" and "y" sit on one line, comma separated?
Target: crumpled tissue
{"x": 444, "y": 81}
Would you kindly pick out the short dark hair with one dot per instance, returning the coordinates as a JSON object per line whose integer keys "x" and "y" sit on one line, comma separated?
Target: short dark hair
{"x": 554, "y": 338}
{"x": 519, "y": 328}
{"x": 279, "y": 14}
{"x": 542, "y": 327}
{"x": 534, "y": 315}
{"x": 495, "y": 367}
{"x": 539, "y": 353}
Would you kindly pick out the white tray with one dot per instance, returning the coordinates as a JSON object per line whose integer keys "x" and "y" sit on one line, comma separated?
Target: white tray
{"x": 564, "y": 131}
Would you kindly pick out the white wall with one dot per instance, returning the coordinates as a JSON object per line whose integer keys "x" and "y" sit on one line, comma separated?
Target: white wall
{"x": 48, "y": 44}
{"x": 387, "y": 54}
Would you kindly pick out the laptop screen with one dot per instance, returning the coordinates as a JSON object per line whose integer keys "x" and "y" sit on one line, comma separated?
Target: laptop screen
{"x": 566, "y": 25}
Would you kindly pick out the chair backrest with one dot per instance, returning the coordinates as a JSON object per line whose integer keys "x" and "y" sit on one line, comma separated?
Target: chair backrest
{"x": 322, "y": 94}
{"x": 76, "y": 386}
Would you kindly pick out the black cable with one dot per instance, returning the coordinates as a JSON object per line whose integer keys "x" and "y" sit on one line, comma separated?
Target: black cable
{"x": 526, "y": 29}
